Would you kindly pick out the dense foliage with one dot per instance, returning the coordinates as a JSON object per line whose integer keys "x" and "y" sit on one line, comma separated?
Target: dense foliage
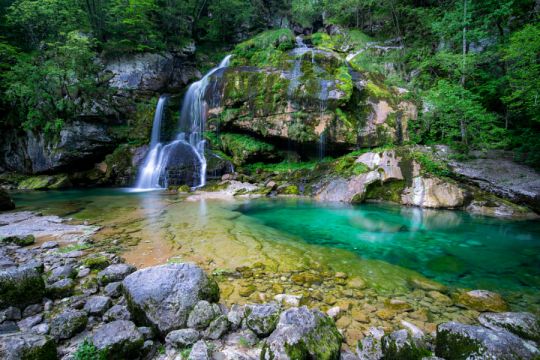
{"x": 474, "y": 64}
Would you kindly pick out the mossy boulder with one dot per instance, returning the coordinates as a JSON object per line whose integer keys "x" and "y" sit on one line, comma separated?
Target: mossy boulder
{"x": 523, "y": 324}
{"x": 68, "y": 323}
{"x": 457, "y": 341}
{"x": 96, "y": 262}
{"x": 303, "y": 334}
{"x": 19, "y": 240}
{"x": 262, "y": 319}
{"x": 27, "y": 346}
{"x": 482, "y": 300}
{"x": 120, "y": 339}
{"x": 401, "y": 345}
{"x": 246, "y": 149}
{"x": 21, "y": 286}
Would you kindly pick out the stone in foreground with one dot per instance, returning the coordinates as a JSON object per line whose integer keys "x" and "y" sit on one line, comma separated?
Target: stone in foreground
{"x": 27, "y": 346}
{"x": 163, "y": 296}
{"x": 68, "y": 323}
{"x": 120, "y": 339}
{"x": 303, "y": 334}
{"x": 459, "y": 341}
{"x": 262, "y": 319}
{"x": 523, "y": 324}
{"x": 113, "y": 273}
{"x": 182, "y": 338}
{"x": 20, "y": 286}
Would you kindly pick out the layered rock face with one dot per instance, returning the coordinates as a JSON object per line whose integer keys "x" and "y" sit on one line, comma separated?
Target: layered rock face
{"x": 306, "y": 96}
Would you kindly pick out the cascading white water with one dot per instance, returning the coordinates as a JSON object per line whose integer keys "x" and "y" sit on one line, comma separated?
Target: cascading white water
{"x": 323, "y": 98}
{"x": 148, "y": 178}
{"x": 189, "y": 145}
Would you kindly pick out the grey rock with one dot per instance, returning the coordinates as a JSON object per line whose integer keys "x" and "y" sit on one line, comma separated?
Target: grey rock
{"x": 163, "y": 296}
{"x": 455, "y": 340}
{"x": 27, "y": 346}
{"x": 74, "y": 254}
{"x": 68, "y": 323}
{"x": 242, "y": 338}
{"x": 201, "y": 315}
{"x": 60, "y": 289}
{"x": 262, "y": 319}
{"x": 236, "y": 315}
{"x": 308, "y": 334}
{"x": 20, "y": 286}
{"x": 146, "y": 332}
{"x": 400, "y": 344}
{"x": 41, "y": 329}
{"x": 200, "y": 351}
{"x": 61, "y": 272}
{"x": 113, "y": 289}
{"x": 148, "y": 349}
{"x": 347, "y": 355}
{"x": 217, "y": 328}
{"x": 120, "y": 338}
{"x": 32, "y": 310}
{"x": 97, "y": 305}
{"x": 27, "y": 323}
{"x": 523, "y": 324}
{"x": 8, "y": 327}
{"x": 115, "y": 272}
{"x": 84, "y": 272}
{"x": 117, "y": 312}
{"x": 10, "y": 313}
{"x": 182, "y": 338}
{"x": 49, "y": 245}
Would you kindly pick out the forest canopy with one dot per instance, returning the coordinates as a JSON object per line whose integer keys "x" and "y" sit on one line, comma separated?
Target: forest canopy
{"x": 475, "y": 65}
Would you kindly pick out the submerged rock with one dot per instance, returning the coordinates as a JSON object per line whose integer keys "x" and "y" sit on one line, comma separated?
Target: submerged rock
{"x": 459, "y": 341}
{"x": 163, "y": 296}
{"x": 482, "y": 300}
{"x": 523, "y": 324}
{"x": 27, "y": 346}
{"x": 301, "y": 334}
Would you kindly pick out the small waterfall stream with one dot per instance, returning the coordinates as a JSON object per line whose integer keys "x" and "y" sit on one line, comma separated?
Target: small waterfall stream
{"x": 187, "y": 150}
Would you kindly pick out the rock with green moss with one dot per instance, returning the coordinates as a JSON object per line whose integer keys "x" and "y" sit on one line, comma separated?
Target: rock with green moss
{"x": 120, "y": 339}
{"x": 163, "y": 296}
{"x": 401, "y": 345}
{"x": 19, "y": 240}
{"x": 246, "y": 149}
{"x": 20, "y": 286}
{"x": 482, "y": 300}
{"x": 303, "y": 334}
{"x": 6, "y": 203}
{"x": 262, "y": 319}
{"x": 457, "y": 341}
{"x": 370, "y": 347}
{"x": 96, "y": 262}
{"x": 288, "y": 190}
{"x": 67, "y": 324}
{"x": 60, "y": 289}
{"x": 27, "y": 346}
{"x": 523, "y": 324}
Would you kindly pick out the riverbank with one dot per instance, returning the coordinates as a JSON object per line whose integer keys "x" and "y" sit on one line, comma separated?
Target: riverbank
{"x": 72, "y": 301}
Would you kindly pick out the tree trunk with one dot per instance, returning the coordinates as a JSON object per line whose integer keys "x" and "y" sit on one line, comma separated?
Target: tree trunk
{"x": 463, "y": 125}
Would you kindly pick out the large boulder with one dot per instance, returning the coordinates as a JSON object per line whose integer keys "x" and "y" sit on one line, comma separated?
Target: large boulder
{"x": 27, "y": 346}
{"x": 303, "y": 334}
{"x": 432, "y": 192}
{"x": 163, "y": 296}
{"x": 459, "y": 341}
{"x": 20, "y": 286}
{"x": 120, "y": 339}
{"x": 262, "y": 319}
{"x": 114, "y": 273}
{"x": 68, "y": 323}
{"x": 523, "y": 324}
{"x": 5, "y": 201}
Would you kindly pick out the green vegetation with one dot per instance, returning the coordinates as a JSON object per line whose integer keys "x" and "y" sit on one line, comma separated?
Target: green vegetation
{"x": 264, "y": 49}
{"x": 284, "y": 166}
{"x": 88, "y": 351}
{"x": 245, "y": 148}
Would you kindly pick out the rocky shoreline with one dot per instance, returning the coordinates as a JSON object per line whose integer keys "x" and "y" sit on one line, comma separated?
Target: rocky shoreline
{"x": 68, "y": 303}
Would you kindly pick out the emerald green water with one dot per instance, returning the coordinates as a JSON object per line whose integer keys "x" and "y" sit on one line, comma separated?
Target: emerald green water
{"x": 451, "y": 247}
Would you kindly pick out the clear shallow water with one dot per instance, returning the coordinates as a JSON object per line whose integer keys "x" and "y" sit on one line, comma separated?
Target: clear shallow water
{"x": 451, "y": 247}
{"x": 382, "y": 243}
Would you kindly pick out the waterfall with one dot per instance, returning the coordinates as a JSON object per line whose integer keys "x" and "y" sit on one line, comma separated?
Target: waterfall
{"x": 323, "y": 98}
{"x": 183, "y": 157}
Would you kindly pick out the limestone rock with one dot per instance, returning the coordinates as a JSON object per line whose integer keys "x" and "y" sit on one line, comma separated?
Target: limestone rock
{"x": 97, "y": 305}
{"x": 523, "y": 324}
{"x": 163, "y": 296}
{"x": 117, "y": 312}
{"x": 68, "y": 323}
{"x": 217, "y": 328}
{"x": 121, "y": 339}
{"x": 200, "y": 351}
{"x": 202, "y": 314}
{"x": 482, "y": 300}
{"x": 302, "y": 333}
{"x": 432, "y": 192}
{"x": 113, "y": 273}
{"x": 262, "y": 319}
{"x": 60, "y": 289}
{"x": 401, "y": 345}
{"x": 113, "y": 289}
{"x": 370, "y": 347}
{"x": 182, "y": 338}
{"x": 20, "y": 286}
{"x": 459, "y": 341}
{"x": 27, "y": 346}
